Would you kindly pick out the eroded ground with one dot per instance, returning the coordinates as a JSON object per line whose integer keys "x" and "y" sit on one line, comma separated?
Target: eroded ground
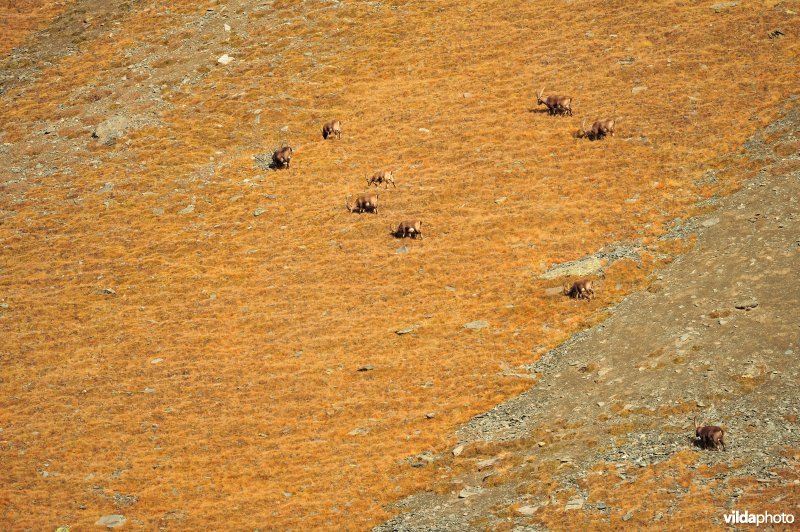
{"x": 605, "y": 438}
{"x": 181, "y": 329}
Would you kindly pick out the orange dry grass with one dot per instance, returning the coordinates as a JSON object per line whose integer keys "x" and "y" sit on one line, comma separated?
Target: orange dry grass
{"x": 18, "y": 18}
{"x": 262, "y": 322}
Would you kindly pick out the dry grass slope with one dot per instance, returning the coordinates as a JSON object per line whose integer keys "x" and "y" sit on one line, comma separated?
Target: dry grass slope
{"x": 260, "y": 323}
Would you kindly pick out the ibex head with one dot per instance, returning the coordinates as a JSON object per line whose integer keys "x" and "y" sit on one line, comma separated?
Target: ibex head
{"x": 582, "y": 131}
{"x": 539, "y": 97}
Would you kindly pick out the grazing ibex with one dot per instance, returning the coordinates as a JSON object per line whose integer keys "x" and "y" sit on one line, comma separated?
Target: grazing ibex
{"x": 367, "y": 202}
{"x": 555, "y": 104}
{"x": 709, "y": 435}
{"x": 334, "y": 127}
{"x": 282, "y": 157}
{"x": 412, "y": 228}
{"x": 381, "y": 177}
{"x": 599, "y": 129}
{"x": 580, "y": 290}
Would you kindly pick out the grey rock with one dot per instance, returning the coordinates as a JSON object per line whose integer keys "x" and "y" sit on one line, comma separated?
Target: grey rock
{"x": 422, "y": 459}
{"x": 723, "y": 5}
{"x": 106, "y": 188}
{"x": 358, "y": 431}
{"x": 637, "y": 90}
{"x": 111, "y": 521}
{"x": 601, "y": 505}
{"x": 710, "y": 222}
{"x": 108, "y": 131}
{"x": 469, "y": 491}
{"x": 367, "y": 367}
{"x": 627, "y": 61}
{"x": 489, "y": 462}
{"x": 108, "y": 292}
{"x": 527, "y": 510}
{"x": 458, "y": 450}
{"x": 578, "y": 268}
{"x": 476, "y": 325}
{"x": 575, "y": 503}
{"x": 403, "y": 249}
{"x": 186, "y": 210}
{"x": 125, "y": 500}
{"x": 628, "y": 516}
{"x": 259, "y": 211}
{"x": 746, "y": 303}
{"x": 406, "y": 330}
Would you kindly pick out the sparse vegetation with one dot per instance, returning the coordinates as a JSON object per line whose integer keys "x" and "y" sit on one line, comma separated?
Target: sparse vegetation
{"x": 218, "y": 382}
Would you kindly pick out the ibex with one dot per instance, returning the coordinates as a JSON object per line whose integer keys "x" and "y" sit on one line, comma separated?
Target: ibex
{"x": 282, "y": 157}
{"x": 334, "y": 127}
{"x": 555, "y": 104}
{"x": 580, "y": 290}
{"x": 709, "y": 435}
{"x": 367, "y": 202}
{"x": 412, "y": 228}
{"x": 381, "y": 177}
{"x": 599, "y": 129}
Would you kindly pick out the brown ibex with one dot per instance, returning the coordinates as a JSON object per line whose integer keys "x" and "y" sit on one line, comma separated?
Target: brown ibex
{"x": 334, "y": 127}
{"x": 412, "y": 228}
{"x": 709, "y": 435}
{"x": 381, "y": 177}
{"x": 599, "y": 129}
{"x": 580, "y": 290}
{"x": 367, "y": 202}
{"x": 282, "y": 157}
{"x": 555, "y": 104}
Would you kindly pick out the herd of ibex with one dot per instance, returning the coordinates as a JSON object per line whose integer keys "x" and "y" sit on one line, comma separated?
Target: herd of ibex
{"x": 562, "y": 105}
{"x": 368, "y": 202}
{"x": 364, "y": 203}
{"x": 707, "y": 435}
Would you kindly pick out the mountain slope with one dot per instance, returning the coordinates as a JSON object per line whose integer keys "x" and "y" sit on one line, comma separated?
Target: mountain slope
{"x": 171, "y": 356}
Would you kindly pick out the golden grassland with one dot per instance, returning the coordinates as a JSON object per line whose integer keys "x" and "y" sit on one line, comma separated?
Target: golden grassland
{"x": 18, "y": 18}
{"x": 260, "y": 323}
